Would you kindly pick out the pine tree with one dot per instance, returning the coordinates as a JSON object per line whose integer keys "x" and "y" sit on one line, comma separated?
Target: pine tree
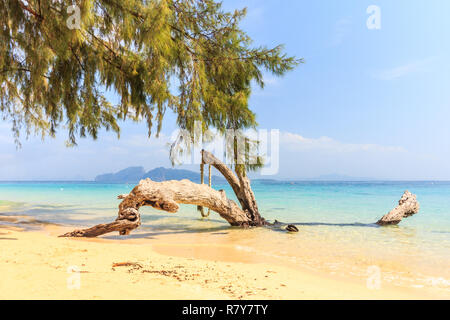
{"x": 186, "y": 55}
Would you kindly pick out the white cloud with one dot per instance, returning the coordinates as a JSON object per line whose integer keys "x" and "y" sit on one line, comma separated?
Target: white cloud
{"x": 305, "y": 158}
{"x": 143, "y": 141}
{"x": 295, "y": 142}
{"x": 6, "y": 157}
{"x": 255, "y": 15}
{"x": 52, "y": 160}
{"x": 340, "y": 31}
{"x": 423, "y": 65}
{"x": 300, "y": 157}
{"x": 271, "y": 80}
{"x": 4, "y": 139}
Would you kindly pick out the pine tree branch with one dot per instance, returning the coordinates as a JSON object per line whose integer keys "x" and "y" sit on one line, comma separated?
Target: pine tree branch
{"x": 22, "y": 69}
{"x": 31, "y": 10}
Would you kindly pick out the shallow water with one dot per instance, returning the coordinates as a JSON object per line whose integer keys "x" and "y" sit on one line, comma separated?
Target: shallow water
{"x": 337, "y": 234}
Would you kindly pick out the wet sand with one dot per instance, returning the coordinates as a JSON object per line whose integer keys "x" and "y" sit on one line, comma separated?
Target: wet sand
{"x": 39, "y": 265}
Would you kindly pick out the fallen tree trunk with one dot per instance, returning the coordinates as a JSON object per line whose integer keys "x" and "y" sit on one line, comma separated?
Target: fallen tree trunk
{"x": 407, "y": 206}
{"x": 240, "y": 185}
{"x": 166, "y": 196}
{"x": 124, "y": 227}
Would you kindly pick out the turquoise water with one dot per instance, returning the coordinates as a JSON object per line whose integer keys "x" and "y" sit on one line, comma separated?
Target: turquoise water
{"x": 335, "y": 221}
{"x": 299, "y": 202}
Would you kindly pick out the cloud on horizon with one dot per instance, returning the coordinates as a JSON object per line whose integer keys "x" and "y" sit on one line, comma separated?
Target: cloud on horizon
{"x": 421, "y": 65}
{"x": 296, "y": 142}
{"x": 308, "y": 158}
{"x": 300, "y": 157}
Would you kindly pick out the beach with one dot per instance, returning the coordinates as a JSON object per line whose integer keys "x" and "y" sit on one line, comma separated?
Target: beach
{"x": 338, "y": 253}
{"x": 39, "y": 265}
{"x": 205, "y": 149}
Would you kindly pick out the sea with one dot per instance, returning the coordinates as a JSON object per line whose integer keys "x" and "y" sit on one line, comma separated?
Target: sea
{"x": 336, "y": 221}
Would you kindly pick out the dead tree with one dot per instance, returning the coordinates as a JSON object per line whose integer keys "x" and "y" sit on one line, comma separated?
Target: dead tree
{"x": 407, "y": 206}
{"x": 168, "y": 194}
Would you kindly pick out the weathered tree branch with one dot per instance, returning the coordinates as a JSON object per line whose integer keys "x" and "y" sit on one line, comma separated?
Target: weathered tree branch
{"x": 241, "y": 187}
{"x": 122, "y": 226}
{"x": 166, "y": 196}
{"x": 407, "y": 206}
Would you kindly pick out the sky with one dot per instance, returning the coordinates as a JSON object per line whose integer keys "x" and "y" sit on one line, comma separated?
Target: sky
{"x": 369, "y": 103}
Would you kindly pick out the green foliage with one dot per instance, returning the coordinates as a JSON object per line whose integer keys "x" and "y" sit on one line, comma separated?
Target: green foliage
{"x": 186, "y": 55}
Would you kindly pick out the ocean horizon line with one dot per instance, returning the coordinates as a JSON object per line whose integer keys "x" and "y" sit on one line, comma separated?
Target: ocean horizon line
{"x": 255, "y": 179}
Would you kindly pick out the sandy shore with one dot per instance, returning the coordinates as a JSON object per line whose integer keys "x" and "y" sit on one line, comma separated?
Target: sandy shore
{"x": 39, "y": 265}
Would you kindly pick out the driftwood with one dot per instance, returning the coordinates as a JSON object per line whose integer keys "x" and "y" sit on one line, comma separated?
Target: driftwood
{"x": 168, "y": 194}
{"x": 407, "y": 206}
{"x": 240, "y": 184}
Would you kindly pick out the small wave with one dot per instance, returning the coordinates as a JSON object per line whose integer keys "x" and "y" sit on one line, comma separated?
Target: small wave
{"x": 246, "y": 249}
{"x": 438, "y": 282}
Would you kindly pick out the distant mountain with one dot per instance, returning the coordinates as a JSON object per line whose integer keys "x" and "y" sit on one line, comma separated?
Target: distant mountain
{"x": 163, "y": 174}
{"x": 135, "y": 174}
{"x": 128, "y": 175}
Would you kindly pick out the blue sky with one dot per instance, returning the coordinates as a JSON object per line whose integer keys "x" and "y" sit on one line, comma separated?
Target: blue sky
{"x": 367, "y": 103}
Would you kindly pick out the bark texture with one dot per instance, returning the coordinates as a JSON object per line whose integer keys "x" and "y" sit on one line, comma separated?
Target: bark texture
{"x": 166, "y": 196}
{"x": 241, "y": 187}
{"x": 407, "y": 206}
